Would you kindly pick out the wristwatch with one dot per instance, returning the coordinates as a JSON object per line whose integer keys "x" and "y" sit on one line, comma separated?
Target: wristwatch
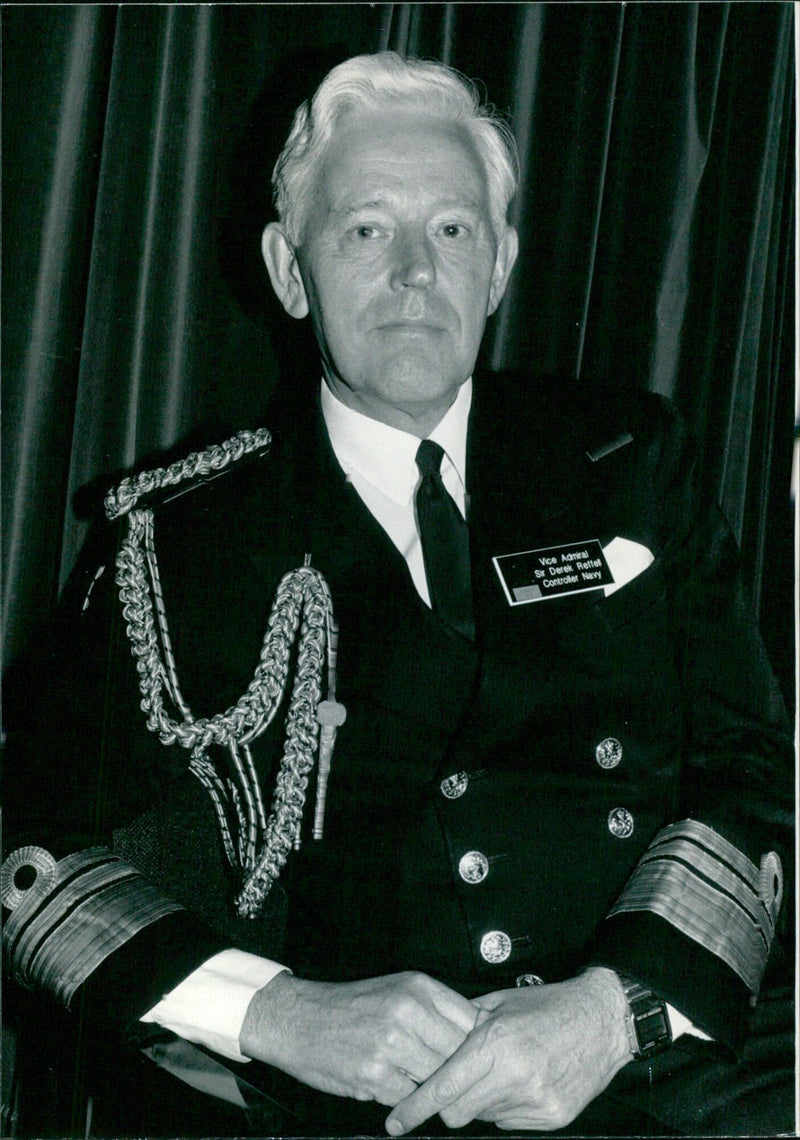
{"x": 646, "y": 1021}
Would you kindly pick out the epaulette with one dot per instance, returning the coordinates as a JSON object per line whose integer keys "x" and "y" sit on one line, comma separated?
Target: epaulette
{"x": 601, "y": 423}
{"x": 615, "y": 418}
{"x": 162, "y": 484}
{"x": 609, "y": 445}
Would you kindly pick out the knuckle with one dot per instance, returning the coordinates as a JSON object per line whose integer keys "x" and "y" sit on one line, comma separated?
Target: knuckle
{"x": 403, "y": 1004}
{"x": 401, "y": 1010}
{"x": 556, "y": 1113}
{"x": 393, "y": 1038}
{"x": 445, "y": 1088}
{"x": 415, "y": 981}
{"x": 371, "y": 1073}
{"x": 494, "y": 1032}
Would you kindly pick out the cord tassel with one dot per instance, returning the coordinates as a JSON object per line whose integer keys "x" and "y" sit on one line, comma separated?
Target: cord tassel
{"x": 331, "y": 715}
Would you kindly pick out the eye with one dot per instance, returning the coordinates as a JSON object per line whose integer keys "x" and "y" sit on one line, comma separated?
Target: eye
{"x": 453, "y": 230}
{"x": 365, "y": 232}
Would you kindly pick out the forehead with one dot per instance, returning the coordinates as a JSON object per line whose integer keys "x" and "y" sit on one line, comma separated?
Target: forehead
{"x": 400, "y": 156}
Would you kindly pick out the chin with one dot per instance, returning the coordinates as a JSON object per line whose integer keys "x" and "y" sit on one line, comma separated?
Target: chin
{"x": 420, "y": 379}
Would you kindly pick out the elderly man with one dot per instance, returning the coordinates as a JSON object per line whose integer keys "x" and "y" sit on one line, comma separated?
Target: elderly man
{"x": 538, "y": 876}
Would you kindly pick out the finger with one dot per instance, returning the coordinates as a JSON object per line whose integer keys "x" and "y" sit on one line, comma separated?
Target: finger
{"x": 386, "y": 1084}
{"x": 398, "y": 1088}
{"x": 443, "y": 1089}
{"x": 438, "y": 1038}
{"x": 418, "y": 1060}
{"x": 489, "y": 1002}
{"x": 482, "y": 1101}
{"x": 436, "y": 1033}
{"x": 455, "y": 1008}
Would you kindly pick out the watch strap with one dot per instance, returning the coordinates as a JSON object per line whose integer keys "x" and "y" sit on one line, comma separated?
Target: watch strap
{"x": 646, "y": 1021}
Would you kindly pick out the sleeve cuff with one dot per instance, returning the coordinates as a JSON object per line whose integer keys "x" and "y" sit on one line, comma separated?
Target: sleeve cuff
{"x": 74, "y": 915}
{"x": 695, "y": 923}
{"x": 209, "y": 1006}
{"x": 679, "y": 1025}
{"x": 710, "y": 891}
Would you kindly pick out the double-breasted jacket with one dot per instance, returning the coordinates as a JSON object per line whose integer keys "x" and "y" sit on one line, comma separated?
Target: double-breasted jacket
{"x": 598, "y": 777}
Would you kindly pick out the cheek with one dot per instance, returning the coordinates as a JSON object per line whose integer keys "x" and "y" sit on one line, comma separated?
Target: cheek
{"x": 337, "y": 307}
{"x": 473, "y": 310}
{"x": 470, "y": 285}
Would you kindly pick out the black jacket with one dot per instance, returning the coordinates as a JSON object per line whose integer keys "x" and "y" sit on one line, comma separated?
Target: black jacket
{"x": 666, "y": 680}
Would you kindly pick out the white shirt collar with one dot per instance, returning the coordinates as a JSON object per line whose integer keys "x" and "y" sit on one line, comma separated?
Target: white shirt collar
{"x": 386, "y": 456}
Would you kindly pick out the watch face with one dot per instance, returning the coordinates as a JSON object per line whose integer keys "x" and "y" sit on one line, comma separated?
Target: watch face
{"x": 649, "y": 1029}
{"x": 651, "y": 1023}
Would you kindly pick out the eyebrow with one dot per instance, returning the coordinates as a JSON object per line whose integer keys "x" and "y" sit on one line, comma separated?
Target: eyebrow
{"x": 385, "y": 203}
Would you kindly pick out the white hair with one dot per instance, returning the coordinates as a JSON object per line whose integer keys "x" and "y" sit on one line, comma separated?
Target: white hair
{"x": 384, "y": 82}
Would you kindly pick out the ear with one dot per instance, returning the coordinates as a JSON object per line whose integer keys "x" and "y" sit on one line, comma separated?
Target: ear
{"x": 280, "y": 258}
{"x": 504, "y": 263}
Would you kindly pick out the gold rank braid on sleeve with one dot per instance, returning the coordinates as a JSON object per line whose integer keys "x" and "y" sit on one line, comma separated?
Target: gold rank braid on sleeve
{"x": 710, "y": 891}
{"x": 255, "y": 845}
{"x": 73, "y": 915}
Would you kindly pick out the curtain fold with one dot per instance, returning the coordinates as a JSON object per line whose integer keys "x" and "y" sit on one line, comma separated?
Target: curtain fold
{"x": 761, "y": 238}
{"x": 150, "y": 244}
{"x": 655, "y": 212}
{"x": 55, "y": 83}
{"x": 734, "y": 378}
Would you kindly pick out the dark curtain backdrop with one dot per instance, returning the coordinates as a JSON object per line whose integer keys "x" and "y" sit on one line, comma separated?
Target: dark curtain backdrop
{"x": 656, "y": 216}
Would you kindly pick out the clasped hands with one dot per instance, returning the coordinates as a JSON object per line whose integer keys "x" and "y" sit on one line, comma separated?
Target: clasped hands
{"x": 529, "y": 1058}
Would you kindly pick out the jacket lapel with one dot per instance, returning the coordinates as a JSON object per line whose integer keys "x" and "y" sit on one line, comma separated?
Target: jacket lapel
{"x": 389, "y": 644}
{"x": 531, "y": 486}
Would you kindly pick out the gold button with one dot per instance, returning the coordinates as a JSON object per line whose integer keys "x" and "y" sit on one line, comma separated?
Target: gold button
{"x": 473, "y": 867}
{"x": 454, "y": 786}
{"x": 495, "y": 947}
{"x": 620, "y": 823}
{"x": 608, "y": 752}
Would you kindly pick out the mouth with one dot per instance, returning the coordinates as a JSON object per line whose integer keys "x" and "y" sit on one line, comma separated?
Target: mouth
{"x": 408, "y": 326}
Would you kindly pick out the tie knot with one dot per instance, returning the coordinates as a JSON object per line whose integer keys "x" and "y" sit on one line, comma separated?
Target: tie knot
{"x": 429, "y": 457}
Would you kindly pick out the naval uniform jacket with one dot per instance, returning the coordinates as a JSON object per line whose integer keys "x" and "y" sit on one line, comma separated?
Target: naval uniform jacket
{"x": 593, "y": 779}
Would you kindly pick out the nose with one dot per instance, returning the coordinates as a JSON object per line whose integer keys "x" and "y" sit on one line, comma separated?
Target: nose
{"x": 413, "y": 266}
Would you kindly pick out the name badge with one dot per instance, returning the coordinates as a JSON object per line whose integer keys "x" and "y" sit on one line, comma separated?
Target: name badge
{"x": 535, "y": 575}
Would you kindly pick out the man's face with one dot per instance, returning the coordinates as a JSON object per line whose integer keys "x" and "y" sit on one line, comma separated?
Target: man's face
{"x": 400, "y": 266}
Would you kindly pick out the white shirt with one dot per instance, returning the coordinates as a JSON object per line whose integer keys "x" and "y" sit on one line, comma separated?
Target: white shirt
{"x": 209, "y": 1006}
{"x": 380, "y": 462}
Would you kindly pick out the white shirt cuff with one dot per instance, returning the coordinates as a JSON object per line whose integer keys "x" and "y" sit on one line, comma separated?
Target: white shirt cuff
{"x": 680, "y": 1025}
{"x": 209, "y": 1006}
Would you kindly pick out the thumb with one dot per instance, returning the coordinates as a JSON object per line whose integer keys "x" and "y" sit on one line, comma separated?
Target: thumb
{"x": 487, "y": 1003}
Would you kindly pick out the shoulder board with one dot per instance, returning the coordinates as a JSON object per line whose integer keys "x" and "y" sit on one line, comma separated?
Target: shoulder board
{"x": 199, "y": 467}
{"x": 629, "y": 415}
{"x": 609, "y": 445}
{"x": 618, "y": 416}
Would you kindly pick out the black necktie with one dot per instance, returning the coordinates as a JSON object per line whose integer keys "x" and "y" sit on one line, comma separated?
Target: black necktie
{"x": 445, "y": 544}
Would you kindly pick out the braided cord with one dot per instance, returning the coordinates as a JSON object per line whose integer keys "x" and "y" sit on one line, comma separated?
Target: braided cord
{"x": 201, "y": 767}
{"x": 198, "y": 464}
{"x": 254, "y": 844}
{"x": 257, "y": 706}
{"x": 302, "y": 732}
{"x": 171, "y": 674}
